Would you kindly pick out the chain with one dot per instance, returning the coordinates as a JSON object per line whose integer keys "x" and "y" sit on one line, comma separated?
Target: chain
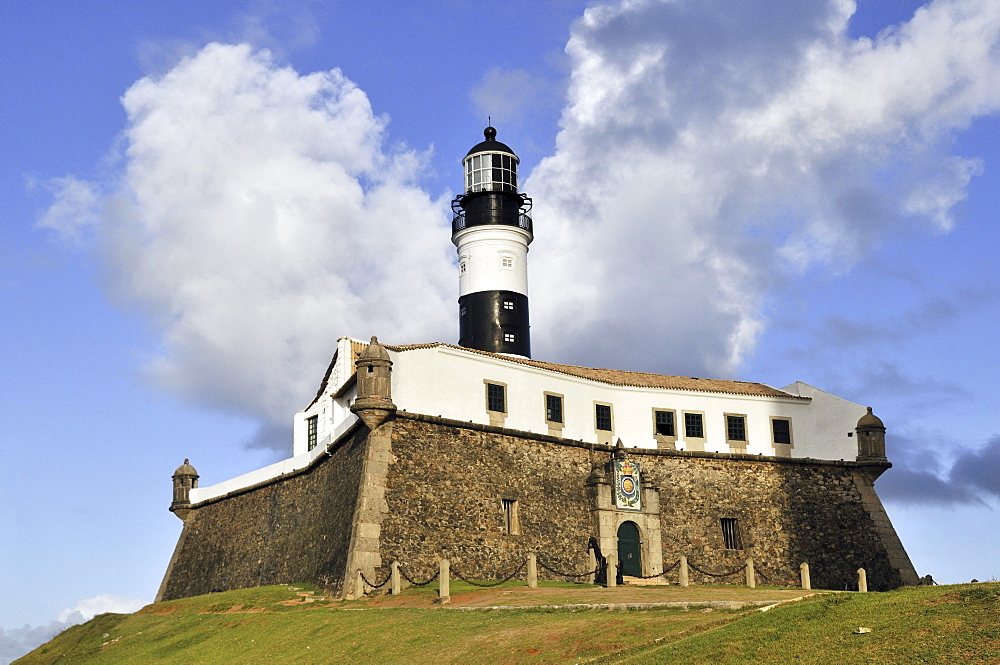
{"x": 705, "y": 572}
{"x": 562, "y": 574}
{"x": 424, "y": 583}
{"x": 758, "y": 572}
{"x": 490, "y": 584}
{"x": 375, "y": 586}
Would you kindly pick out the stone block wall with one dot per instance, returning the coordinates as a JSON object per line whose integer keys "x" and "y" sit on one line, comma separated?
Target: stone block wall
{"x": 295, "y": 529}
{"x": 447, "y": 480}
{"x": 443, "y": 486}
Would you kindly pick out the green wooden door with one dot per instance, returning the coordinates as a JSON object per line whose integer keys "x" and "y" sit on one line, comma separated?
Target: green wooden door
{"x": 628, "y": 549}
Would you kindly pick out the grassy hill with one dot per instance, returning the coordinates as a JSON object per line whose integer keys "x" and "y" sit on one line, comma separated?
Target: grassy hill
{"x": 945, "y": 624}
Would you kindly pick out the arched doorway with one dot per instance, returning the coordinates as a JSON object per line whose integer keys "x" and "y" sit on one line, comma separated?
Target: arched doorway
{"x": 629, "y": 556}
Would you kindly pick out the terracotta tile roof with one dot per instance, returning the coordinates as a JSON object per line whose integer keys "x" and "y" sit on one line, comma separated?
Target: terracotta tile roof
{"x": 617, "y": 377}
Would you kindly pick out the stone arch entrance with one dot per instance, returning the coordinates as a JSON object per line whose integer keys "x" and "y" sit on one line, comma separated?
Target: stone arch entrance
{"x": 629, "y": 549}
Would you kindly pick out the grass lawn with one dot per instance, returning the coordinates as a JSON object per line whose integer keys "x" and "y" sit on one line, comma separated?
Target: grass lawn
{"x": 276, "y": 625}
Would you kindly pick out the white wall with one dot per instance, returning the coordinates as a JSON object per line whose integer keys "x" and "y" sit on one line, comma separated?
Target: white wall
{"x": 481, "y": 249}
{"x": 450, "y": 382}
{"x": 824, "y": 434}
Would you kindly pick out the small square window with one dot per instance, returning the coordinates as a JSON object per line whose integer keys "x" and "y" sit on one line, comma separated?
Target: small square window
{"x": 665, "y": 423}
{"x": 506, "y": 262}
{"x": 782, "y": 430}
{"x": 495, "y": 398}
{"x": 312, "y": 425}
{"x": 602, "y": 417}
{"x": 461, "y": 268}
{"x": 736, "y": 428}
{"x": 508, "y": 304}
{"x": 553, "y": 408}
{"x": 694, "y": 428}
{"x": 463, "y": 311}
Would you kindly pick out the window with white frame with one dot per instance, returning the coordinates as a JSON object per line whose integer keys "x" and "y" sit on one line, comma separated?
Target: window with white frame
{"x": 491, "y": 172}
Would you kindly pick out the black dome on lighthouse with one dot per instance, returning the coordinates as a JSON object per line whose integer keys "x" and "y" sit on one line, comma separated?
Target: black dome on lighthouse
{"x": 490, "y": 144}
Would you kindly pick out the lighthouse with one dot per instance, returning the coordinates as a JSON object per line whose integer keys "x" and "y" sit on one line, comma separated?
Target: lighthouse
{"x": 491, "y": 230}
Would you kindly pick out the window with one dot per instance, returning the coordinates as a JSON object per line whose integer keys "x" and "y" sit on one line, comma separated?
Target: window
{"x": 664, "y": 421}
{"x": 781, "y": 429}
{"x": 736, "y": 428}
{"x": 463, "y": 311}
{"x": 508, "y": 304}
{"x": 511, "y": 525}
{"x": 602, "y": 417}
{"x": 731, "y": 535}
{"x": 491, "y": 172}
{"x": 510, "y": 337}
{"x": 554, "y": 408}
{"x": 506, "y": 262}
{"x": 312, "y": 424}
{"x": 694, "y": 427}
{"x": 495, "y": 398}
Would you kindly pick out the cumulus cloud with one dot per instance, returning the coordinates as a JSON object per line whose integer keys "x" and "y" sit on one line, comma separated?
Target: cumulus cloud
{"x": 709, "y": 151}
{"x": 257, "y": 218}
{"x": 15, "y": 642}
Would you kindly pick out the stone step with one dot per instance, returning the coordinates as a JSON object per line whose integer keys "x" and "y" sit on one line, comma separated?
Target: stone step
{"x": 638, "y": 581}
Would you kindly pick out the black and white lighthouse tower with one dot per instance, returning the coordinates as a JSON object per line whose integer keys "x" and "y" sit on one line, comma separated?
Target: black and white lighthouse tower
{"x": 492, "y": 230}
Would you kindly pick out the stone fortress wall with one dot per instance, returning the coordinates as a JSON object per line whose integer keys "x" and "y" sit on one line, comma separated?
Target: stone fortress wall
{"x": 419, "y": 488}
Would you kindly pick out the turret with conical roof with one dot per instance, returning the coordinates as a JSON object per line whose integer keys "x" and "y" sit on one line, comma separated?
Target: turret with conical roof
{"x": 871, "y": 438}
{"x": 374, "y": 379}
{"x": 185, "y": 479}
{"x": 492, "y": 230}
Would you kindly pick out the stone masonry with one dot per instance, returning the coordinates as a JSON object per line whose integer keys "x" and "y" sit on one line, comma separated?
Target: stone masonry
{"x": 419, "y": 488}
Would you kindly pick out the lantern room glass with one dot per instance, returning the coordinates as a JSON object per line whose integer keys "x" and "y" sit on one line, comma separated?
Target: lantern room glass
{"x": 491, "y": 172}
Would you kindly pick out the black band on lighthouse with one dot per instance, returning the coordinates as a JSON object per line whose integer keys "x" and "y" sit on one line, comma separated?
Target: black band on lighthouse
{"x": 495, "y": 321}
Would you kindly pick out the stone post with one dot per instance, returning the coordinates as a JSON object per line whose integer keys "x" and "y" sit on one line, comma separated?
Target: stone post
{"x": 444, "y": 583}
{"x": 394, "y": 578}
{"x": 862, "y": 580}
{"x": 751, "y": 576}
{"x": 592, "y": 562}
{"x": 612, "y": 558}
{"x": 532, "y": 572}
{"x": 804, "y": 575}
{"x": 682, "y": 575}
{"x": 359, "y": 586}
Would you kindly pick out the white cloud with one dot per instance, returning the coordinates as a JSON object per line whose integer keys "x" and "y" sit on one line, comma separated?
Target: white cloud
{"x": 710, "y": 150}
{"x": 88, "y": 608}
{"x": 77, "y": 207}
{"x": 257, "y": 219}
{"x": 15, "y": 642}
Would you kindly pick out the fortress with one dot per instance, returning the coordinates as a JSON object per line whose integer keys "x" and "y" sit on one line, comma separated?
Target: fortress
{"x": 479, "y": 454}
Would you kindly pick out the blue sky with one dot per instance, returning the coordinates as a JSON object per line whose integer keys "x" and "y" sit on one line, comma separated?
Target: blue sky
{"x": 197, "y": 202}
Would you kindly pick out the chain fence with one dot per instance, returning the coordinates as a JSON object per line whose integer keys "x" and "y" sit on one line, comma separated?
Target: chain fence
{"x": 717, "y": 575}
{"x": 424, "y": 583}
{"x": 375, "y": 586}
{"x": 572, "y": 575}
{"x": 486, "y": 585}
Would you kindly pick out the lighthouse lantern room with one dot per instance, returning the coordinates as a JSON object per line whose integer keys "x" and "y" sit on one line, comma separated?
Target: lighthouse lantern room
{"x": 491, "y": 229}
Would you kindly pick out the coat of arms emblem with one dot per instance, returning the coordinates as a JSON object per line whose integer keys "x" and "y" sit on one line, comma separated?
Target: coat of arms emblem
{"x": 628, "y": 490}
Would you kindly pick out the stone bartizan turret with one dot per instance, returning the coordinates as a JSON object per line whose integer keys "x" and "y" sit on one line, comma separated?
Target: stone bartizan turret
{"x": 374, "y": 379}
{"x": 871, "y": 438}
{"x": 492, "y": 230}
{"x": 185, "y": 479}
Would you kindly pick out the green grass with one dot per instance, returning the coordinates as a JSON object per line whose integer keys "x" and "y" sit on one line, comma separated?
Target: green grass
{"x": 272, "y": 625}
{"x": 959, "y": 624}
